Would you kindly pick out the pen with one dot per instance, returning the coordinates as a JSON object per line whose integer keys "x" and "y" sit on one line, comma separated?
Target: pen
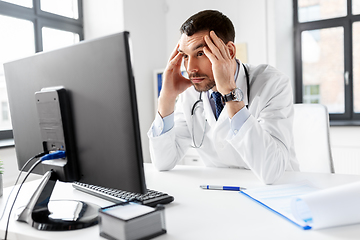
{"x": 229, "y": 188}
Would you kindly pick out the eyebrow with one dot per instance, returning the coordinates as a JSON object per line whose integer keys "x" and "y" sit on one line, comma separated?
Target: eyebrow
{"x": 200, "y": 45}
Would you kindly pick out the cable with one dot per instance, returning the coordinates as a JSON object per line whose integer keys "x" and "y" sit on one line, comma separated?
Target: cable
{"x": 17, "y": 179}
{"x": 44, "y": 156}
{"x": 12, "y": 206}
{"x": 54, "y": 155}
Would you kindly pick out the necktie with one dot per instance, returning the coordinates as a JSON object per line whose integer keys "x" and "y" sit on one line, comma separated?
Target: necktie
{"x": 218, "y": 104}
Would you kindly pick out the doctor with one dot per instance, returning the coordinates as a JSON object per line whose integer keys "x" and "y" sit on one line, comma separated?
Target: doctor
{"x": 235, "y": 115}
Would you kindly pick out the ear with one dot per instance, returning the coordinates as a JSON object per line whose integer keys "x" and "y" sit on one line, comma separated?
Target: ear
{"x": 232, "y": 49}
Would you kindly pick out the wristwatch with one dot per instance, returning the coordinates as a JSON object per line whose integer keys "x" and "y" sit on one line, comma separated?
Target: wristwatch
{"x": 235, "y": 95}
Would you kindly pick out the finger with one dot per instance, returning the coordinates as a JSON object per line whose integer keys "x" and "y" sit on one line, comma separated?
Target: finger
{"x": 174, "y": 52}
{"x": 220, "y": 44}
{"x": 224, "y": 51}
{"x": 212, "y": 48}
{"x": 175, "y": 61}
{"x": 210, "y": 55}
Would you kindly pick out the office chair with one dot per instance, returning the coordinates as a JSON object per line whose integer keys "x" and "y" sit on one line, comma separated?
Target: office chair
{"x": 311, "y": 138}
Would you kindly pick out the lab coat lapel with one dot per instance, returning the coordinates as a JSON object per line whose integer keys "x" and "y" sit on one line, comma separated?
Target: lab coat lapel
{"x": 221, "y": 127}
{"x": 241, "y": 82}
{"x": 215, "y": 125}
{"x": 208, "y": 110}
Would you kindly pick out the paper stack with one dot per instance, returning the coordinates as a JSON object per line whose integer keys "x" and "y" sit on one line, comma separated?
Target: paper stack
{"x": 128, "y": 221}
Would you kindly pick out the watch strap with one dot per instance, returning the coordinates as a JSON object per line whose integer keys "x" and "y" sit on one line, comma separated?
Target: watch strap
{"x": 232, "y": 96}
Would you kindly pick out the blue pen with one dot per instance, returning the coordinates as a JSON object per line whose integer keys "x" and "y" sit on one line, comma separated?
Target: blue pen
{"x": 229, "y": 188}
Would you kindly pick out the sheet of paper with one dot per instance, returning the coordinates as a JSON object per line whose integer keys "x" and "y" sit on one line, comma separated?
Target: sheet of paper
{"x": 329, "y": 207}
{"x": 129, "y": 211}
{"x": 278, "y": 198}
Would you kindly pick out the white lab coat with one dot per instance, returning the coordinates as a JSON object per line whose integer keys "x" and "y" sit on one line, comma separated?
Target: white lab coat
{"x": 263, "y": 144}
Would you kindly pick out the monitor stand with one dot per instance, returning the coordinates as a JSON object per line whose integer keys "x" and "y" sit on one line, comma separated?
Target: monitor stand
{"x": 56, "y": 215}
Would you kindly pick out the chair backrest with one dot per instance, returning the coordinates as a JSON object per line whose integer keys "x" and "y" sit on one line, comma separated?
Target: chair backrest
{"x": 311, "y": 138}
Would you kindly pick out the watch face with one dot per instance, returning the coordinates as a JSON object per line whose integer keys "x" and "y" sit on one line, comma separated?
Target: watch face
{"x": 235, "y": 95}
{"x": 238, "y": 95}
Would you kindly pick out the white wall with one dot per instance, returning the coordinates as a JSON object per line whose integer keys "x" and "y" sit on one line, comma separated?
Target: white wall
{"x": 280, "y": 44}
{"x": 102, "y": 18}
{"x": 145, "y": 20}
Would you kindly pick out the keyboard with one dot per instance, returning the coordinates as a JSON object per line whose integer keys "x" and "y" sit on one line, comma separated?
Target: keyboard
{"x": 151, "y": 198}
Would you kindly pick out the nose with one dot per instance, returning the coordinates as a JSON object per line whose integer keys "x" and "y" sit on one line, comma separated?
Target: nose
{"x": 191, "y": 65}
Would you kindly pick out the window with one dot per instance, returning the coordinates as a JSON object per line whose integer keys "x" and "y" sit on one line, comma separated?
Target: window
{"x": 355, "y": 6}
{"x": 30, "y": 26}
{"x": 356, "y": 64}
{"x": 66, "y": 8}
{"x": 312, "y": 10}
{"x": 327, "y": 56}
{"x": 5, "y": 112}
{"x": 311, "y": 93}
{"x": 54, "y": 38}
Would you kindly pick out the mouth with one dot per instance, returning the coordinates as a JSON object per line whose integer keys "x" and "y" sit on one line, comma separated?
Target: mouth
{"x": 197, "y": 79}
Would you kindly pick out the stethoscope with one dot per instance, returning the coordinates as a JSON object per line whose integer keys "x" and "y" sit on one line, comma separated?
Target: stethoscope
{"x": 198, "y": 104}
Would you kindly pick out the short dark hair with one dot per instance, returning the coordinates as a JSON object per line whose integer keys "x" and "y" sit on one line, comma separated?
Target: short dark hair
{"x": 210, "y": 20}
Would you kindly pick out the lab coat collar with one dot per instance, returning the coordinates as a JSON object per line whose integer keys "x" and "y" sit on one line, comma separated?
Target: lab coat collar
{"x": 241, "y": 81}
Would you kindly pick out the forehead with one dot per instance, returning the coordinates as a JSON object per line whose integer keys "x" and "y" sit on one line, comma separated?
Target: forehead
{"x": 192, "y": 43}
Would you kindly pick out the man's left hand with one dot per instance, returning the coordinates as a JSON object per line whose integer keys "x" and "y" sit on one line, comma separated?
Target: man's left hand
{"x": 222, "y": 57}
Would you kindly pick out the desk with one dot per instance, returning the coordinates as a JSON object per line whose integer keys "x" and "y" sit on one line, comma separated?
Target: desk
{"x": 197, "y": 213}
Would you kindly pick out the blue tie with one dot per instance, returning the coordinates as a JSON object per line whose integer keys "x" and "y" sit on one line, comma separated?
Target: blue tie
{"x": 218, "y": 104}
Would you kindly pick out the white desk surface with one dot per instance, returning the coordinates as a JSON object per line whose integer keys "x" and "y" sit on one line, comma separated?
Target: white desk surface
{"x": 197, "y": 213}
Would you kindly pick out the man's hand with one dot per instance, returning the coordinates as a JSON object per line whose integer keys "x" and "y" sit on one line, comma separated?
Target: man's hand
{"x": 173, "y": 84}
{"x": 222, "y": 58}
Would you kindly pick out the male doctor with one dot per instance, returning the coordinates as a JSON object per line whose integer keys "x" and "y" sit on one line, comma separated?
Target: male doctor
{"x": 235, "y": 115}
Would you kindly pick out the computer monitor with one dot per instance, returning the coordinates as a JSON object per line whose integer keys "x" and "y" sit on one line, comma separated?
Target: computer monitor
{"x": 99, "y": 81}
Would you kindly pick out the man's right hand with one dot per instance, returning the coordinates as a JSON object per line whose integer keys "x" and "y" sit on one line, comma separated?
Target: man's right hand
{"x": 173, "y": 84}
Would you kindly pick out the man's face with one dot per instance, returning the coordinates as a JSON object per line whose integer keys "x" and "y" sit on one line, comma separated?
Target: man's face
{"x": 197, "y": 65}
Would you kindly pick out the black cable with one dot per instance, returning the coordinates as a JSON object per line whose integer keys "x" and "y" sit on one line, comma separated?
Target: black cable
{"x": 27, "y": 175}
{"x": 12, "y": 206}
{"x": 21, "y": 170}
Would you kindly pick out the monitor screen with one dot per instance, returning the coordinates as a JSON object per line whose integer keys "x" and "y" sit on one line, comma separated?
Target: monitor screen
{"x": 99, "y": 81}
